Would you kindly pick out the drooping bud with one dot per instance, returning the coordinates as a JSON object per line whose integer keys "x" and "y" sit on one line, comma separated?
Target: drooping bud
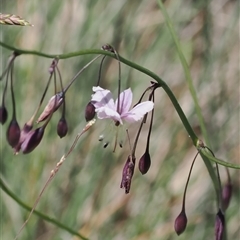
{"x": 3, "y": 114}
{"x": 180, "y": 223}
{"x": 24, "y": 133}
{"x": 144, "y": 163}
{"x": 32, "y": 140}
{"x": 127, "y": 174}
{"x": 89, "y": 112}
{"x": 53, "y": 104}
{"x": 13, "y": 133}
{"x": 62, "y": 127}
{"x": 226, "y": 195}
{"x": 219, "y": 225}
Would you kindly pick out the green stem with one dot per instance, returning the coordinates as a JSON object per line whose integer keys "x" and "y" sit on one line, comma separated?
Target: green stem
{"x": 186, "y": 71}
{"x": 194, "y": 97}
{"x": 165, "y": 87}
{"x": 43, "y": 216}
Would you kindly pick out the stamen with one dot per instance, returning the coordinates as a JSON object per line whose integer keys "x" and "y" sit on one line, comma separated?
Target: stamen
{"x": 100, "y": 138}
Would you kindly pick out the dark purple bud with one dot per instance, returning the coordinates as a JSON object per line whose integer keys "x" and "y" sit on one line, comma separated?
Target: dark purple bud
{"x": 62, "y": 128}
{"x": 89, "y": 112}
{"x": 24, "y": 133}
{"x": 13, "y": 133}
{"x": 144, "y": 163}
{"x": 32, "y": 140}
{"x": 3, "y": 115}
{"x": 219, "y": 225}
{"x": 53, "y": 104}
{"x": 180, "y": 223}
{"x": 226, "y": 195}
{"x": 127, "y": 174}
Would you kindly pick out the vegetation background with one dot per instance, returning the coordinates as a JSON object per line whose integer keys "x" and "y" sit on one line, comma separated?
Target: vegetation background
{"x": 85, "y": 193}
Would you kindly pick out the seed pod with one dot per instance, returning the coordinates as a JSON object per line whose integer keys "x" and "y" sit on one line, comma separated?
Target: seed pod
{"x": 13, "y": 133}
{"x": 32, "y": 140}
{"x": 3, "y": 114}
{"x": 144, "y": 163}
{"x": 226, "y": 195}
{"x": 127, "y": 174}
{"x": 219, "y": 225}
{"x": 53, "y": 104}
{"x": 89, "y": 112}
{"x": 180, "y": 223}
{"x": 62, "y": 127}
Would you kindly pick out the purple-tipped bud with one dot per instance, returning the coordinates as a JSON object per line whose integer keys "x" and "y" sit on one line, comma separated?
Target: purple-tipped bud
{"x": 3, "y": 114}
{"x": 62, "y": 128}
{"x": 32, "y": 140}
{"x": 13, "y": 133}
{"x": 180, "y": 223}
{"x": 53, "y": 104}
{"x": 144, "y": 163}
{"x": 219, "y": 225}
{"x": 127, "y": 174}
{"x": 89, "y": 112}
{"x": 24, "y": 133}
{"x": 226, "y": 195}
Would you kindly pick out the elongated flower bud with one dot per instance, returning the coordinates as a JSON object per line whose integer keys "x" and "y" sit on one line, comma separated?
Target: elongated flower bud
{"x": 226, "y": 195}
{"x": 53, "y": 104}
{"x": 127, "y": 175}
{"x": 24, "y": 133}
{"x": 62, "y": 128}
{"x": 32, "y": 140}
{"x": 13, "y": 133}
{"x": 180, "y": 223}
{"x": 89, "y": 112}
{"x": 144, "y": 163}
{"x": 219, "y": 225}
{"x": 3, "y": 114}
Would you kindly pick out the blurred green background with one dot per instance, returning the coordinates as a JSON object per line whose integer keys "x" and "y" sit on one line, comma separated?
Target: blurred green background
{"x": 85, "y": 193}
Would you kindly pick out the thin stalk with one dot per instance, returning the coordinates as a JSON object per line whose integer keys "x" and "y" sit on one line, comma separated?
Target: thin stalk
{"x": 151, "y": 98}
{"x": 100, "y": 70}
{"x": 163, "y": 84}
{"x": 43, "y": 216}
{"x": 188, "y": 179}
{"x": 84, "y": 68}
{"x": 12, "y": 92}
{"x": 61, "y": 84}
{"x": 186, "y": 71}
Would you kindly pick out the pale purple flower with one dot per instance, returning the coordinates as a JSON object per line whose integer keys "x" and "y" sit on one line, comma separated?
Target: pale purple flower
{"x": 106, "y": 108}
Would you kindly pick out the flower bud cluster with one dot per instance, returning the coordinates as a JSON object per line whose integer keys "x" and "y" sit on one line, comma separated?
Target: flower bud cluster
{"x": 27, "y": 139}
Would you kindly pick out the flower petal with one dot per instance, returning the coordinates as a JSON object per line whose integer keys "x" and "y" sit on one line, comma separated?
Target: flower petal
{"x": 105, "y": 112}
{"x": 102, "y": 98}
{"x": 125, "y": 101}
{"x": 138, "y": 111}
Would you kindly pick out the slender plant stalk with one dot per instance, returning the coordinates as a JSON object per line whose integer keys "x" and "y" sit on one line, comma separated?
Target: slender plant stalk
{"x": 186, "y": 71}
{"x": 43, "y": 216}
{"x": 163, "y": 84}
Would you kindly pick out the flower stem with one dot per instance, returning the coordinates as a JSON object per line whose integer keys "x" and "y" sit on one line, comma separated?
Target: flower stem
{"x": 43, "y": 216}
{"x": 165, "y": 87}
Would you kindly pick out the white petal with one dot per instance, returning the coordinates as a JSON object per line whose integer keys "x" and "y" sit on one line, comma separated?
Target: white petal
{"x": 138, "y": 111}
{"x": 125, "y": 101}
{"x": 105, "y": 112}
{"x": 95, "y": 89}
{"x": 102, "y": 98}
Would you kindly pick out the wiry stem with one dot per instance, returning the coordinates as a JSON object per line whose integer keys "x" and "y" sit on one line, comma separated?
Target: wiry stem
{"x": 54, "y": 172}
{"x": 163, "y": 84}
{"x": 75, "y": 77}
{"x": 185, "y": 190}
{"x": 100, "y": 70}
